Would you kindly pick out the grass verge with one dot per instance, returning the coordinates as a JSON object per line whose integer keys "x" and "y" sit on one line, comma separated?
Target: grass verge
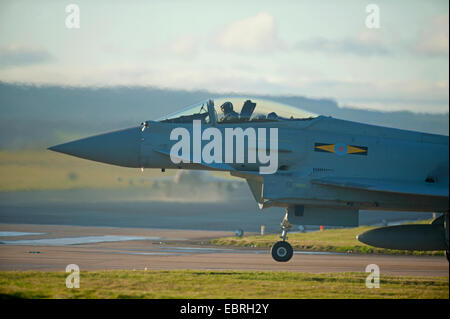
{"x": 331, "y": 240}
{"x": 216, "y": 284}
{"x": 47, "y": 170}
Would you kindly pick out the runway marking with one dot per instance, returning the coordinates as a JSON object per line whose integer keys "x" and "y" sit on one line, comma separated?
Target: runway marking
{"x": 151, "y": 254}
{"x": 318, "y": 253}
{"x": 210, "y": 250}
{"x": 75, "y": 240}
{"x": 17, "y": 233}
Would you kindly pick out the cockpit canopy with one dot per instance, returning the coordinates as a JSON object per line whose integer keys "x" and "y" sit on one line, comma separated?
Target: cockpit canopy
{"x": 237, "y": 110}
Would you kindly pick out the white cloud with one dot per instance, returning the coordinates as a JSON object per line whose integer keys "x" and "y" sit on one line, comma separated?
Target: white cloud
{"x": 433, "y": 39}
{"x": 184, "y": 46}
{"x": 258, "y": 33}
{"x": 365, "y": 43}
{"x": 412, "y": 95}
{"x": 16, "y": 55}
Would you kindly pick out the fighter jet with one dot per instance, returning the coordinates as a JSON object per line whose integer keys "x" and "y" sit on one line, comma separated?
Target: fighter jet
{"x": 322, "y": 170}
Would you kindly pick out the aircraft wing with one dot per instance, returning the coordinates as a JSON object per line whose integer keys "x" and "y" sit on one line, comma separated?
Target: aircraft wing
{"x": 399, "y": 187}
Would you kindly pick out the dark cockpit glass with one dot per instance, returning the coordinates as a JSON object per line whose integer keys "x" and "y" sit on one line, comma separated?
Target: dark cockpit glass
{"x": 238, "y": 110}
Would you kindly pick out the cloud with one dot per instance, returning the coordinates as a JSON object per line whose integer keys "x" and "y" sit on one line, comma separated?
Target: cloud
{"x": 184, "y": 46}
{"x": 417, "y": 95}
{"x": 258, "y": 34}
{"x": 366, "y": 43}
{"x": 433, "y": 39}
{"x": 14, "y": 55}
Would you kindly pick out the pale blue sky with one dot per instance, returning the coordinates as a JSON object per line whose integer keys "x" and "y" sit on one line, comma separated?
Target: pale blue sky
{"x": 309, "y": 48}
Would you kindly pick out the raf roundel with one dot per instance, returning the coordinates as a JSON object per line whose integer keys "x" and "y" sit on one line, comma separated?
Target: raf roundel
{"x": 340, "y": 149}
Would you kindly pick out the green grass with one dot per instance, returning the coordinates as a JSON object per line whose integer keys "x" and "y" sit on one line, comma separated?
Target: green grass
{"x": 217, "y": 284}
{"x": 47, "y": 170}
{"x": 331, "y": 240}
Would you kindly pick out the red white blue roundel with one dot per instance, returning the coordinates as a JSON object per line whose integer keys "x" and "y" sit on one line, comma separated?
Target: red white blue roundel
{"x": 340, "y": 149}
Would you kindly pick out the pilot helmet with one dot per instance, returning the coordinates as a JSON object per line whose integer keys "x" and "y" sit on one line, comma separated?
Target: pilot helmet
{"x": 227, "y": 107}
{"x": 272, "y": 116}
{"x": 249, "y": 102}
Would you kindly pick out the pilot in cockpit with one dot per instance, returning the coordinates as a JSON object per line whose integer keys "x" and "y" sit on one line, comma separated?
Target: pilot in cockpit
{"x": 229, "y": 114}
{"x": 272, "y": 116}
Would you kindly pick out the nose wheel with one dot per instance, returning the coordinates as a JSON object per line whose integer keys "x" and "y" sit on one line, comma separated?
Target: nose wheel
{"x": 282, "y": 251}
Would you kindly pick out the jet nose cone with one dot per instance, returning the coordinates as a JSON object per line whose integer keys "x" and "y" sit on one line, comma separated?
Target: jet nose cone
{"x": 118, "y": 148}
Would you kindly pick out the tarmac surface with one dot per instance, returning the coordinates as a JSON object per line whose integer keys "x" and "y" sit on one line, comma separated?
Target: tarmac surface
{"x": 53, "y": 247}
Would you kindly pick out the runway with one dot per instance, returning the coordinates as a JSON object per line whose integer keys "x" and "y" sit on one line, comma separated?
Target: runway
{"x": 53, "y": 247}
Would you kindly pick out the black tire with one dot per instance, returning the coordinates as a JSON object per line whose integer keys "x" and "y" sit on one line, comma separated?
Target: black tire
{"x": 282, "y": 251}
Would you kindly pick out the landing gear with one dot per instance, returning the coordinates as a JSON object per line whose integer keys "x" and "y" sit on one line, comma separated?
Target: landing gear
{"x": 282, "y": 251}
{"x": 447, "y": 253}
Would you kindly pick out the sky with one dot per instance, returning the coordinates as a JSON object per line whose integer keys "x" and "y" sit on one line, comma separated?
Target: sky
{"x": 318, "y": 49}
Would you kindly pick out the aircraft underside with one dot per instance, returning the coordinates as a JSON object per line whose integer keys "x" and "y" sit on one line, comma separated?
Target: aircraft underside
{"x": 343, "y": 210}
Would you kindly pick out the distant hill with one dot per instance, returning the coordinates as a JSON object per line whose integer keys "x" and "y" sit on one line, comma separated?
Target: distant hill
{"x": 33, "y": 117}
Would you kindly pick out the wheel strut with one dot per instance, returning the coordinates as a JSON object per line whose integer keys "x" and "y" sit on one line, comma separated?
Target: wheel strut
{"x": 285, "y": 226}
